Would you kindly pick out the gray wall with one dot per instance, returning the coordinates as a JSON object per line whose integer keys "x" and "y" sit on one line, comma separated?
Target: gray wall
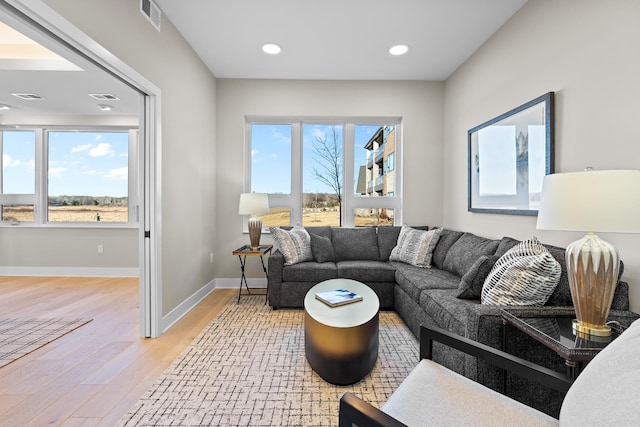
{"x": 419, "y": 103}
{"x": 587, "y": 52}
{"x": 188, "y": 133}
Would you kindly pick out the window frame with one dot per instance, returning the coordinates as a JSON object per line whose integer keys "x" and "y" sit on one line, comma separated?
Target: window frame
{"x": 40, "y": 198}
{"x": 350, "y": 200}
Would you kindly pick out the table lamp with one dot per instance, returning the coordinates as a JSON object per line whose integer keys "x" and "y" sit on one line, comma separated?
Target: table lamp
{"x": 254, "y": 204}
{"x": 591, "y": 201}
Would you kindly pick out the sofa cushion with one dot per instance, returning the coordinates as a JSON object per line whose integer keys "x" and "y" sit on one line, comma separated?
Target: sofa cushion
{"x": 415, "y": 247}
{"x": 466, "y": 250}
{"x": 366, "y": 271}
{"x": 526, "y": 275}
{"x": 413, "y": 280}
{"x": 351, "y": 244}
{"x": 505, "y": 244}
{"x": 471, "y": 284}
{"x": 310, "y": 272}
{"x": 322, "y": 248}
{"x": 295, "y": 244}
{"x": 446, "y": 240}
{"x": 387, "y": 240}
{"x": 445, "y": 309}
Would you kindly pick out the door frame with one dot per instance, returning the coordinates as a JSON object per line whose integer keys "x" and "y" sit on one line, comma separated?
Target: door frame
{"x": 150, "y": 173}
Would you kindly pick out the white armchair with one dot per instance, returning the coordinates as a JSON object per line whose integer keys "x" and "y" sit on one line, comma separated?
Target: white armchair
{"x": 607, "y": 392}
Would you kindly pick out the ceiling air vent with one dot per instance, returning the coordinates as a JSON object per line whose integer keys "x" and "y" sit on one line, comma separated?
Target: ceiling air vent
{"x": 27, "y": 96}
{"x": 104, "y": 96}
{"x": 152, "y": 12}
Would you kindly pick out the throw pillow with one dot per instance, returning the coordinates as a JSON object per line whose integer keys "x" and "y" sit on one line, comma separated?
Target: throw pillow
{"x": 321, "y": 248}
{"x": 471, "y": 284}
{"x": 415, "y": 247}
{"x": 294, "y": 244}
{"x": 526, "y": 274}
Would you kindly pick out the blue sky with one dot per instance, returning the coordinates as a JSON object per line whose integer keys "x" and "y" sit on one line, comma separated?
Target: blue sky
{"x": 271, "y": 148}
{"x": 80, "y": 163}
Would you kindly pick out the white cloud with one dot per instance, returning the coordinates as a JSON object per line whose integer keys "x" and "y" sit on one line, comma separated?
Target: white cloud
{"x": 57, "y": 171}
{"x": 90, "y": 172}
{"x": 119, "y": 173}
{"x": 81, "y": 148}
{"x": 102, "y": 149}
{"x": 254, "y": 152}
{"x": 8, "y": 162}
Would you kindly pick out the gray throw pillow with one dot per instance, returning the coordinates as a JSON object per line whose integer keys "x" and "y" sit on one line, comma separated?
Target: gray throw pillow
{"x": 294, "y": 244}
{"x": 471, "y": 284}
{"x": 415, "y": 247}
{"x": 526, "y": 274}
{"x": 322, "y": 248}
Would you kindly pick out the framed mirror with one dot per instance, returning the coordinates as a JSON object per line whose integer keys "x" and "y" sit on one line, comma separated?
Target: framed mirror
{"x": 508, "y": 157}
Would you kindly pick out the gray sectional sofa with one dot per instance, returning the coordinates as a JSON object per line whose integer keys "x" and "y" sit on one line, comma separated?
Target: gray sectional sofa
{"x": 445, "y": 296}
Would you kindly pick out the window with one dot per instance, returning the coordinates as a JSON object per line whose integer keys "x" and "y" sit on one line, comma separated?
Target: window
{"x": 84, "y": 177}
{"x": 319, "y": 172}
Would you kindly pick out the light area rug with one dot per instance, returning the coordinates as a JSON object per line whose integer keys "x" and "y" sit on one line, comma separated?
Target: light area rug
{"x": 22, "y": 336}
{"x": 248, "y": 368}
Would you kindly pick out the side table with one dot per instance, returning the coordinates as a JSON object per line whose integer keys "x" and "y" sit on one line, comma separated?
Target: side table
{"x": 554, "y": 330}
{"x": 242, "y": 254}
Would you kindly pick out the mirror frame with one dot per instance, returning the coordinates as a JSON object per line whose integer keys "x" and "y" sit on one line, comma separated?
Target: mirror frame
{"x": 523, "y": 201}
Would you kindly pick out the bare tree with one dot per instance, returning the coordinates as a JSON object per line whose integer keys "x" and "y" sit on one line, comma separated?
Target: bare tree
{"x": 327, "y": 152}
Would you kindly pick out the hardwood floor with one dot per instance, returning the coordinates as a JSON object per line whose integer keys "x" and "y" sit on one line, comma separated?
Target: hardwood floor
{"x": 93, "y": 375}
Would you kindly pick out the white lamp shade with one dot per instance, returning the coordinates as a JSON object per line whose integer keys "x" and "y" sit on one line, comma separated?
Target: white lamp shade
{"x": 253, "y": 204}
{"x": 591, "y": 201}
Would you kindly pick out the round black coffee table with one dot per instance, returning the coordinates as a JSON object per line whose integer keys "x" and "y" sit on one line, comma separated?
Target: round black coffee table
{"x": 341, "y": 343}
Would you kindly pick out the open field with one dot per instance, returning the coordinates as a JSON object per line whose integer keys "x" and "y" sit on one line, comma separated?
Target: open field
{"x": 85, "y": 213}
{"x": 319, "y": 218}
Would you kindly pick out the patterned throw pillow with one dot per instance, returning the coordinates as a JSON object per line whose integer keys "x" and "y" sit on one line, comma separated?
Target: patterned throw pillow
{"x": 415, "y": 247}
{"x": 294, "y": 244}
{"x": 526, "y": 274}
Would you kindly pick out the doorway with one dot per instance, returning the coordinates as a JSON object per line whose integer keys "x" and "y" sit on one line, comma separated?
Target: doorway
{"x": 62, "y": 38}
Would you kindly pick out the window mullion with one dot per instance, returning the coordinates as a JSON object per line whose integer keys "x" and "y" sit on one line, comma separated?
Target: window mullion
{"x": 296, "y": 172}
{"x": 347, "y": 172}
{"x": 42, "y": 166}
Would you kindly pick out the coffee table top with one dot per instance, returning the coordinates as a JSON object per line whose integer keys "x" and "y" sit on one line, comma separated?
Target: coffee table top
{"x": 344, "y": 316}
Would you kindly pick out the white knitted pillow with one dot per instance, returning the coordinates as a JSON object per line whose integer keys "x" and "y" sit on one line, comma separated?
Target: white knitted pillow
{"x": 294, "y": 244}
{"x": 415, "y": 247}
{"x": 527, "y": 274}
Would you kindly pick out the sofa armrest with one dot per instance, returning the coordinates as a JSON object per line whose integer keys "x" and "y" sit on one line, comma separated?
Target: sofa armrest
{"x": 274, "y": 285}
{"x": 355, "y": 411}
{"x": 518, "y": 366}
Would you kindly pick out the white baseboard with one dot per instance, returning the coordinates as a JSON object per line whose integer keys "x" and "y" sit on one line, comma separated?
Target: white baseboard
{"x": 70, "y": 271}
{"x": 181, "y": 310}
{"x": 235, "y": 283}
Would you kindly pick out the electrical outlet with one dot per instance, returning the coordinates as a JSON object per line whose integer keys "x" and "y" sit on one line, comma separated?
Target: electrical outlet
{"x": 211, "y": 258}
{"x": 100, "y": 249}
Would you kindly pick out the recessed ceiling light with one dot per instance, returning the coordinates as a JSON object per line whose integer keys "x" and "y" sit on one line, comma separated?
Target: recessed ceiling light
{"x": 104, "y": 107}
{"x": 4, "y": 107}
{"x": 271, "y": 48}
{"x": 399, "y": 49}
{"x": 27, "y": 96}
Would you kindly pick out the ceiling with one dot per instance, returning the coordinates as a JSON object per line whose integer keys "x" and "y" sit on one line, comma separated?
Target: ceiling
{"x": 337, "y": 39}
{"x": 31, "y": 63}
{"x": 329, "y": 39}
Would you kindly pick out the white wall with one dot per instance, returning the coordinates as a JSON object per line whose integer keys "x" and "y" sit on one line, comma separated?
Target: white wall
{"x": 188, "y": 133}
{"x": 418, "y": 103}
{"x": 586, "y": 51}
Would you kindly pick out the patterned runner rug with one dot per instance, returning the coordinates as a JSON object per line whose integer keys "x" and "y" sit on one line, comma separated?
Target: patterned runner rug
{"x": 22, "y": 336}
{"x": 248, "y": 368}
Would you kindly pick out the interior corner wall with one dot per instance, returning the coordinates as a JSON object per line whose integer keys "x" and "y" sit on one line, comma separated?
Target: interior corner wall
{"x": 188, "y": 120}
{"x": 419, "y": 103}
{"x": 586, "y": 51}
